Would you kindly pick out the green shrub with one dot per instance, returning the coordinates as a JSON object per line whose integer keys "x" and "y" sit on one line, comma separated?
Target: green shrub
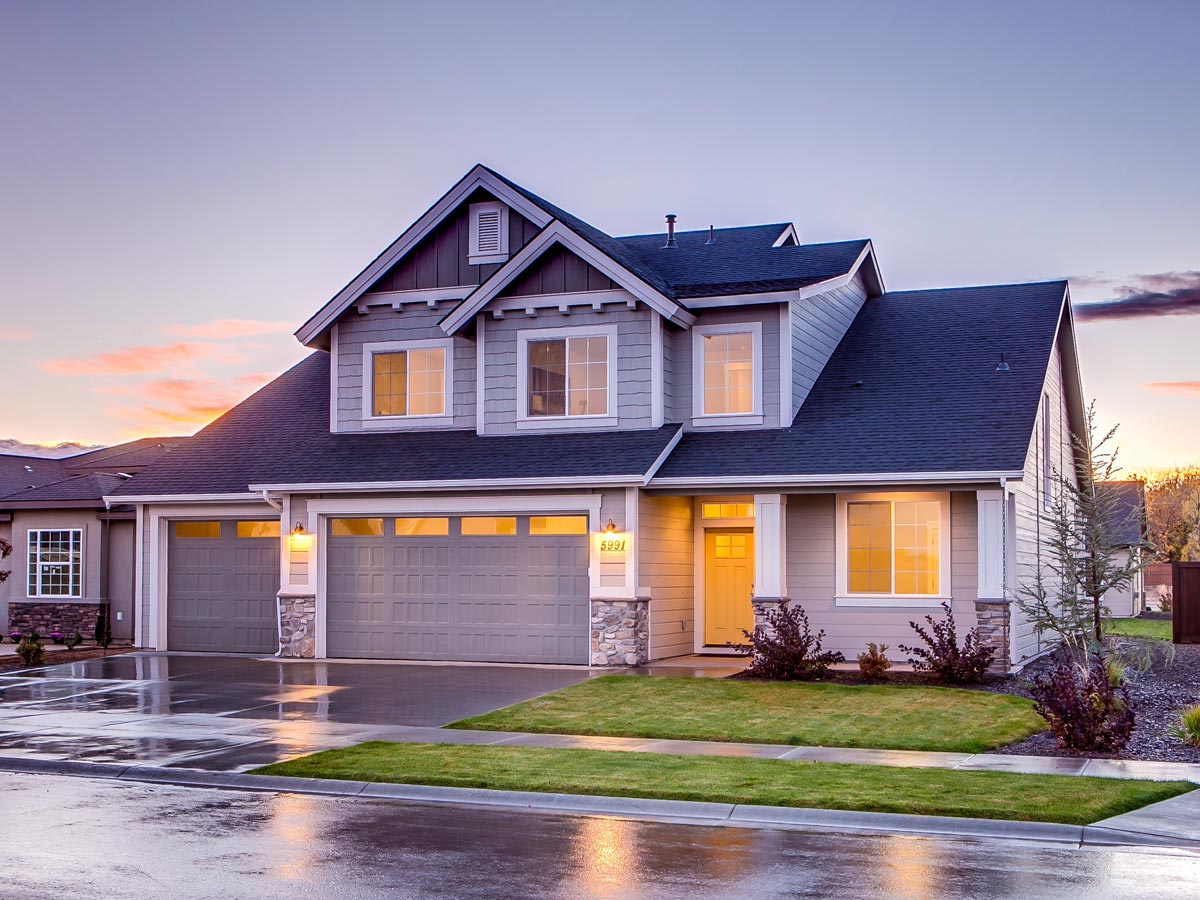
{"x": 74, "y": 641}
{"x": 873, "y": 662}
{"x": 31, "y": 652}
{"x": 1188, "y": 729}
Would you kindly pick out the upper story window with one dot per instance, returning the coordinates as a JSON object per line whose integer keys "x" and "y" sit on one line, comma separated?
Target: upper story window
{"x": 727, "y": 367}
{"x": 894, "y": 546}
{"x": 408, "y": 379}
{"x": 567, "y": 373}
{"x": 56, "y": 562}
{"x": 488, "y": 233}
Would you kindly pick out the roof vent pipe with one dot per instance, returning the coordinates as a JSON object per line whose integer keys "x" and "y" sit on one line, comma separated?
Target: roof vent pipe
{"x": 670, "y": 244}
{"x": 712, "y": 236}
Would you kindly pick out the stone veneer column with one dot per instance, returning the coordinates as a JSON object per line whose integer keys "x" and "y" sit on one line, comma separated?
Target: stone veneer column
{"x": 297, "y": 624}
{"x": 620, "y": 631}
{"x": 993, "y": 624}
{"x": 762, "y": 607}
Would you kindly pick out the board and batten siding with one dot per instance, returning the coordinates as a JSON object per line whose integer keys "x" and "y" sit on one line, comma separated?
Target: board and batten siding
{"x": 632, "y": 404}
{"x": 381, "y": 323}
{"x": 1026, "y": 514}
{"x": 558, "y": 271}
{"x": 666, "y": 570}
{"x": 818, "y": 325}
{"x": 441, "y": 259}
{"x": 811, "y": 573}
{"x": 679, "y": 404}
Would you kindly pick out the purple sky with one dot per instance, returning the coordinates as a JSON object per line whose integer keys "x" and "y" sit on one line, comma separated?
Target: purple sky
{"x": 183, "y": 185}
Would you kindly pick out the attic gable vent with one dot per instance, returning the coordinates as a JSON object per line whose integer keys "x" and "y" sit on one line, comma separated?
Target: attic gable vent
{"x": 489, "y": 233}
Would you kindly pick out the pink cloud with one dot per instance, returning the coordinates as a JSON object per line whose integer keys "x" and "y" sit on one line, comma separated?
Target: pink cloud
{"x": 16, "y": 334}
{"x": 137, "y": 360}
{"x": 1180, "y": 388}
{"x": 229, "y": 328}
{"x": 172, "y": 404}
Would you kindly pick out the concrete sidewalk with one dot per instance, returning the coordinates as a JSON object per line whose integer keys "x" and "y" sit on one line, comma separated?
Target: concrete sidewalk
{"x": 992, "y": 762}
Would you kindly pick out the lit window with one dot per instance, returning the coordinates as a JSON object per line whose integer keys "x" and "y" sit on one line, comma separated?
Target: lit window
{"x": 409, "y": 382}
{"x": 267, "y": 529}
{"x": 356, "y": 527}
{"x": 56, "y": 563}
{"x": 558, "y": 524}
{"x": 568, "y": 376}
{"x": 422, "y": 527}
{"x": 727, "y": 510}
{"x": 198, "y": 530}
{"x": 489, "y": 525}
{"x": 730, "y": 546}
{"x": 728, "y": 373}
{"x": 894, "y": 547}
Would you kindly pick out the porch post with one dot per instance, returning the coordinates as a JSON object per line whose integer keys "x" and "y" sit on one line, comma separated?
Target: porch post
{"x": 991, "y": 604}
{"x": 770, "y": 555}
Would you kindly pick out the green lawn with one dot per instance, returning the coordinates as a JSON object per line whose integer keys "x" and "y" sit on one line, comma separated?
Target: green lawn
{"x": 942, "y": 792}
{"x": 1158, "y": 629}
{"x": 896, "y": 717}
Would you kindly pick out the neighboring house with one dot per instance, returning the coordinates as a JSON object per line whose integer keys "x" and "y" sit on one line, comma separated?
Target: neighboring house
{"x": 520, "y": 439}
{"x": 1129, "y": 525}
{"x": 71, "y": 551}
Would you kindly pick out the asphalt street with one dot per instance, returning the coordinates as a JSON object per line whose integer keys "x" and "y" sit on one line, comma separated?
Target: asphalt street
{"x": 66, "y": 837}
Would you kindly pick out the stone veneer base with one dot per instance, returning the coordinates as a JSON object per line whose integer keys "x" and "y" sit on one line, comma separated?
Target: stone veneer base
{"x": 992, "y": 623}
{"x": 297, "y": 626}
{"x": 620, "y": 632}
{"x": 45, "y": 617}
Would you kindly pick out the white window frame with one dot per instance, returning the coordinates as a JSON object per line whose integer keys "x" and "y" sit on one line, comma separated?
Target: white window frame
{"x": 755, "y": 416}
{"x": 33, "y": 590}
{"x": 475, "y": 257}
{"x": 548, "y": 423}
{"x": 843, "y": 597}
{"x": 370, "y": 420}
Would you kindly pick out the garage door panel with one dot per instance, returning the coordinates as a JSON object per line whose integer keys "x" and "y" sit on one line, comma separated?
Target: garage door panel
{"x": 511, "y": 598}
{"x": 221, "y": 592}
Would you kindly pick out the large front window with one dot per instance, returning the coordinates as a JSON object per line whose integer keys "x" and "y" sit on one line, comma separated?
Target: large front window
{"x": 409, "y": 382}
{"x": 56, "y": 563}
{"x": 568, "y": 376}
{"x": 894, "y": 547}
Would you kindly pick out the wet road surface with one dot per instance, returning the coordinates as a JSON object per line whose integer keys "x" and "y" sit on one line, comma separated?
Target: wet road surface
{"x": 69, "y": 838}
{"x": 233, "y": 713}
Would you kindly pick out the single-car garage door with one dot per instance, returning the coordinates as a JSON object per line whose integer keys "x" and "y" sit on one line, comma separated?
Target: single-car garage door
{"x": 478, "y": 588}
{"x": 223, "y": 577}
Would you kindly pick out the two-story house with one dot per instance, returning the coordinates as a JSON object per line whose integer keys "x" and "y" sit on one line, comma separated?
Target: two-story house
{"x": 520, "y": 439}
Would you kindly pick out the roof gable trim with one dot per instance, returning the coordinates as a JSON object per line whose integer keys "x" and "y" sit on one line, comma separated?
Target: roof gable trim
{"x": 478, "y": 177}
{"x": 558, "y": 233}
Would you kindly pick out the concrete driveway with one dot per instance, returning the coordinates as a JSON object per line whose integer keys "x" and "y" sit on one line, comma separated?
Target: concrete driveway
{"x": 234, "y": 713}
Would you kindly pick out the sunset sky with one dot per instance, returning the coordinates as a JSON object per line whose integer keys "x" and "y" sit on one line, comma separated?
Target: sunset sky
{"x": 184, "y": 184}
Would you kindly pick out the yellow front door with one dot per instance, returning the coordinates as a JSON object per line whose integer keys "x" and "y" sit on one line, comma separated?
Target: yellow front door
{"x": 728, "y": 584}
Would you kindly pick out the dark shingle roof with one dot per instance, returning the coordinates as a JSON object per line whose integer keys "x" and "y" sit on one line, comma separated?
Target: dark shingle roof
{"x": 83, "y": 489}
{"x": 281, "y": 435}
{"x": 20, "y": 472}
{"x": 931, "y": 399}
{"x": 1128, "y": 510}
{"x": 127, "y": 457}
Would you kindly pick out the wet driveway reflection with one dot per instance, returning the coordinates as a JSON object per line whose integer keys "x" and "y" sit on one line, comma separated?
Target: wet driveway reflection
{"x": 99, "y": 838}
{"x": 234, "y": 713}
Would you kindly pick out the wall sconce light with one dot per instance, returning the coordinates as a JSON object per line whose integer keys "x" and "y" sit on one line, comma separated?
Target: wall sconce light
{"x": 610, "y": 528}
{"x": 299, "y": 538}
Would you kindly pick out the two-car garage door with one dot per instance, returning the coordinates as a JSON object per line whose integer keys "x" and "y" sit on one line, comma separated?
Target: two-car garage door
{"x": 480, "y": 588}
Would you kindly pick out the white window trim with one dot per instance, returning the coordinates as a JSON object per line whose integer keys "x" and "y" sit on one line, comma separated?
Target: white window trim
{"x": 34, "y": 591}
{"x": 843, "y": 597}
{"x": 755, "y": 416}
{"x": 554, "y": 423}
{"x": 476, "y": 258}
{"x": 370, "y": 420}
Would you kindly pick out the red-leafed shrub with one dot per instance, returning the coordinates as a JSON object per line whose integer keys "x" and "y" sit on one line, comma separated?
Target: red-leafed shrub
{"x": 1082, "y": 706}
{"x": 787, "y": 649}
{"x": 943, "y": 658}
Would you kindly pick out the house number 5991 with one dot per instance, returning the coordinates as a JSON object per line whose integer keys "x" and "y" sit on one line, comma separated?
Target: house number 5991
{"x": 610, "y": 545}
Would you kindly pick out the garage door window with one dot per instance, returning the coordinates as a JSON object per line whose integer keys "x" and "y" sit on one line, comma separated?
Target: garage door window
{"x": 56, "y": 563}
{"x": 422, "y": 527}
{"x": 209, "y": 531}
{"x": 549, "y": 525}
{"x": 357, "y": 527}
{"x": 489, "y": 525}
{"x": 268, "y": 529}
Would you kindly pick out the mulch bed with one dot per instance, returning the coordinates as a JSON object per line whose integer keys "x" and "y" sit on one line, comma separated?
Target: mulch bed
{"x": 11, "y": 664}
